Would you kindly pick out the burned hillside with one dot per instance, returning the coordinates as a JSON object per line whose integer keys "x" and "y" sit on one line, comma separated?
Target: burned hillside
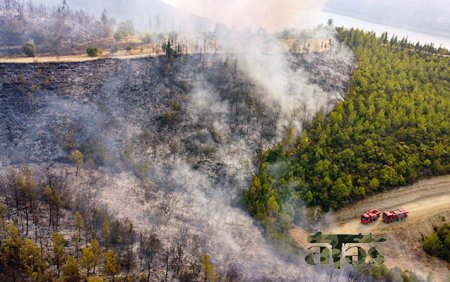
{"x": 50, "y": 109}
{"x": 169, "y": 143}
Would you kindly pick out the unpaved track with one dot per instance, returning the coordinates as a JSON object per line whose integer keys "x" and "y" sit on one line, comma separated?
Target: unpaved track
{"x": 427, "y": 202}
{"x": 419, "y": 209}
{"x": 69, "y": 59}
{"x": 417, "y": 193}
{"x": 424, "y": 199}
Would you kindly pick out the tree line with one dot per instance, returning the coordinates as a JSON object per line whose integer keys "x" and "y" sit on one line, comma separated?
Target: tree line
{"x": 57, "y": 28}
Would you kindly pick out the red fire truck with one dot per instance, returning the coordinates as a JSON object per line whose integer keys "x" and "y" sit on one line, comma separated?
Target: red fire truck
{"x": 370, "y": 216}
{"x": 395, "y": 215}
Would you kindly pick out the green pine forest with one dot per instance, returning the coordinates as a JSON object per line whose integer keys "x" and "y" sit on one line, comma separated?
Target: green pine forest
{"x": 392, "y": 129}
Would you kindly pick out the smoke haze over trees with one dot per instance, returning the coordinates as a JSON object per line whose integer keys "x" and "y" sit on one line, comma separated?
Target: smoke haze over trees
{"x": 147, "y": 15}
{"x": 187, "y": 129}
{"x": 165, "y": 144}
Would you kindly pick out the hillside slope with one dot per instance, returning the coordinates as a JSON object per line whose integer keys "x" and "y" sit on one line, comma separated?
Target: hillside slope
{"x": 392, "y": 129}
{"x": 169, "y": 144}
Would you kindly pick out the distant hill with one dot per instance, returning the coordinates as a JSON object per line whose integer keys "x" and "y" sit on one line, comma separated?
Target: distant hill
{"x": 425, "y": 16}
{"x": 57, "y": 27}
{"x": 145, "y": 14}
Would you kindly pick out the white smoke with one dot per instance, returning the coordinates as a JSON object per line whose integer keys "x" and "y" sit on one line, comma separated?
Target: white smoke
{"x": 201, "y": 191}
{"x": 270, "y": 14}
{"x": 204, "y": 199}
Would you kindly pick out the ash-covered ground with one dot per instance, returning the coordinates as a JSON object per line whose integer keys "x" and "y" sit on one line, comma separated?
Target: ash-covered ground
{"x": 171, "y": 143}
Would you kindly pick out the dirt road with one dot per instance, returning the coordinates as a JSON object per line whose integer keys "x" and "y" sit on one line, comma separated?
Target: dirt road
{"x": 428, "y": 203}
{"x": 142, "y": 51}
{"x": 418, "y": 210}
{"x": 417, "y": 193}
{"x": 424, "y": 199}
{"x": 70, "y": 59}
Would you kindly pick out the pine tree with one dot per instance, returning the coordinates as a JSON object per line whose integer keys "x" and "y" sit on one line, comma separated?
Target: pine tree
{"x": 87, "y": 259}
{"x": 71, "y": 270}
{"x": 111, "y": 265}
{"x": 79, "y": 223}
{"x": 32, "y": 260}
{"x": 54, "y": 203}
{"x": 91, "y": 256}
{"x": 77, "y": 158}
{"x": 10, "y": 249}
{"x": 209, "y": 273}
{"x": 58, "y": 251}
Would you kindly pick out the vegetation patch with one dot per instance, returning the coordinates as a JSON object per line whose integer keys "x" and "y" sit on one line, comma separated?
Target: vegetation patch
{"x": 28, "y": 49}
{"x": 93, "y": 51}
{"x": 438, "y": 243}
{"x": 391, "y": 130}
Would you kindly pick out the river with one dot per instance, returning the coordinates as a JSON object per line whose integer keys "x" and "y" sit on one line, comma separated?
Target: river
{"x": 313, "y": 18}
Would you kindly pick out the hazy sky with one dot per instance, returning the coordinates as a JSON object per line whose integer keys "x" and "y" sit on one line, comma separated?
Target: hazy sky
{"x": 420, "y": 15}
{"x": 270, "y": 14}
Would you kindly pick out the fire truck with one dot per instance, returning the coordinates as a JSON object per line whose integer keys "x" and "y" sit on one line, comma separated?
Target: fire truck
{"x": 395, "y": 215}
{"x": 370, "y": 216}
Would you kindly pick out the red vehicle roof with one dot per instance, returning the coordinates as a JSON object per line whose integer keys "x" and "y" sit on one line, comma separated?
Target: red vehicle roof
{"x": 396, "y": 212}
{"x": 371, "y": 213}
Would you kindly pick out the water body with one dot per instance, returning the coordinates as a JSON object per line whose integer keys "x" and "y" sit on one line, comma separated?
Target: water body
{"x": 313, "y": 18}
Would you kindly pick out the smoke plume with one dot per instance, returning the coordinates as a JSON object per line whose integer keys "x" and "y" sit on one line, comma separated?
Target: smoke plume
{"x": 200, "y": 183}
{"x": 269, "y": 14}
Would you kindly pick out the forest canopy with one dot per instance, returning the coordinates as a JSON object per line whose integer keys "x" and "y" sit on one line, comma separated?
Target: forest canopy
{"x": 391, "y": 130}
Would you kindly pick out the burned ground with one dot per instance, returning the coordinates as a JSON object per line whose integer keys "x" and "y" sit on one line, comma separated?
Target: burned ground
{"x": 178, "y": 140}
{"x": 44, "y": 105}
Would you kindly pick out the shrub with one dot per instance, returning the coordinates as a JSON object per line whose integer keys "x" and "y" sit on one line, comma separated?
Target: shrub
{"x": 169, "y": 117}
{"x": 119, "y": 35}
{"x": 28, "y": 49}
{"x": 438, "y": 243}
{"x": 92, "y": 51}
{"x": 167, "y": 48}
